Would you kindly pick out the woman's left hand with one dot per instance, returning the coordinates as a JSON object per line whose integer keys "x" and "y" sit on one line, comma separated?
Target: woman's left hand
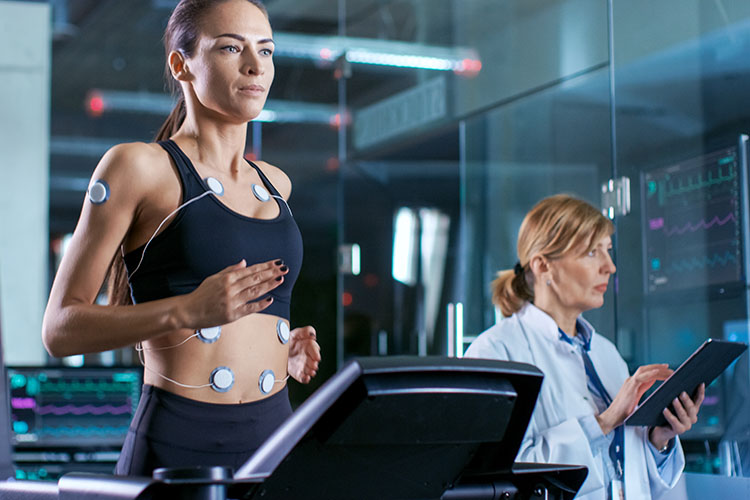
{"x": 684, "y": 416}
{"x": 304, "y": 354}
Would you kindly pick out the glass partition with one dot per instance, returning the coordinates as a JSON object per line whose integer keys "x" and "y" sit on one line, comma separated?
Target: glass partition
{"x": 558, "y": 96}
{"x": 556, "y": 140}
{"x": 682, "y": 108}
{"x": 400, "y": 180}
{"x": 459, "y": 145}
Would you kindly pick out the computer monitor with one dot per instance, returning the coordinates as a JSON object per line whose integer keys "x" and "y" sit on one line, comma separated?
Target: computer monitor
{"x": 692, "y": 222}
{"x": 397, "y": 427}
{"x": 66, "y": 407}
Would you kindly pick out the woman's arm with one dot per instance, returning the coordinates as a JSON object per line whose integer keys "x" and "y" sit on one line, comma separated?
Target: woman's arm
{"x": 573, "y": 441}
{"x": 138, "y": 178}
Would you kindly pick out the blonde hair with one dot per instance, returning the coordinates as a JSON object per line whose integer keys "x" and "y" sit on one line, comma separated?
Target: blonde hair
{"x": 554, "y": 227}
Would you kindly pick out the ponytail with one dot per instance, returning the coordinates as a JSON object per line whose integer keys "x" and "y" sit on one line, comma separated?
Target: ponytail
{"x": 118, "y": 290}
{"x": 173, "y": 121}
{"x": 511, "y": 291}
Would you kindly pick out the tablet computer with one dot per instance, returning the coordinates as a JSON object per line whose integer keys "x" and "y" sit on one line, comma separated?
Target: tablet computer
{"x": 703, "y": 366}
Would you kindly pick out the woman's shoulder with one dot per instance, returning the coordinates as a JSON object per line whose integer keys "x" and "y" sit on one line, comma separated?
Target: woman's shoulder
{"x": 137, "y": 162}
{"x": 278, "y": 178}
{"x": 498, "y": 341}
{"x": 136, "y": 169}
{"x": 132, "y": 157}
{"x": 603, "y": 344}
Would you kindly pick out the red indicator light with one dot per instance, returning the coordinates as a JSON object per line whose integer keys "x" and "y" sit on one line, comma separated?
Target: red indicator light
{"x": 95, "y": 104}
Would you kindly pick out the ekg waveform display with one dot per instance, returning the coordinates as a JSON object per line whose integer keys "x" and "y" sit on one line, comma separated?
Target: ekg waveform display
{"x": 72, "y": 407}
{"x": 692, "y": 223}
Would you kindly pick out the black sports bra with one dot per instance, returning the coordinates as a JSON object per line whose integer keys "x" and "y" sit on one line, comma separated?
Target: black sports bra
{"x": 206, "y": 236}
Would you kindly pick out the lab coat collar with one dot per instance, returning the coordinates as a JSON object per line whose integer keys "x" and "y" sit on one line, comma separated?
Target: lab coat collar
{"x": 548, "y": 328}
{"x": 585, "y": 332}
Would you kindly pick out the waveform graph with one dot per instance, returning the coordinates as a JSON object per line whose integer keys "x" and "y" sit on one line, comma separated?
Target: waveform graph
{"x": 72, "y": 407}
{"x": 692, "y": 223}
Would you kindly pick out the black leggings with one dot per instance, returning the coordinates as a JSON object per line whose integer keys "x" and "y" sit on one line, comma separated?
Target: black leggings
{"x": 172, "y": 431}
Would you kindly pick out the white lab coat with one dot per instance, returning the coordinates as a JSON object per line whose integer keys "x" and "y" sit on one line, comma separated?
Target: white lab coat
{"x": 556, "y": 431}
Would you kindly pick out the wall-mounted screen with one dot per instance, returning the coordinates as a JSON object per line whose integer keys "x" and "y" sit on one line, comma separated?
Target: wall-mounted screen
{"x": 692, "y": 223}
{"x": 72, "y": 407}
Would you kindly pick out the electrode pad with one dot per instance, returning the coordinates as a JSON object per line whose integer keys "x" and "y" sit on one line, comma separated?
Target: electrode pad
{"x": 222, "y": 379}
{"x": 266, "y": 381}
{"x": 282, "y": 330}
{"x": 98, "y": 192}
{"x": 209, "y": 335}
{"x": 261, "y": 193}
{"x": 215, "y": 185}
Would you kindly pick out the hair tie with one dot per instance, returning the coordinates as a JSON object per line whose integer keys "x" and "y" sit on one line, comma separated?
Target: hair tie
{"x": 518, "y": 269}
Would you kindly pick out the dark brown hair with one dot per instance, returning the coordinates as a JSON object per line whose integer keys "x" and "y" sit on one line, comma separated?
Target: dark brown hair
{"x": 554, "y": 227}
{"x": 181, "y": 34}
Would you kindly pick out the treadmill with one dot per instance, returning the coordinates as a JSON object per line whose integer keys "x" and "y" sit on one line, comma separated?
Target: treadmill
{"x": 406, "y": 428}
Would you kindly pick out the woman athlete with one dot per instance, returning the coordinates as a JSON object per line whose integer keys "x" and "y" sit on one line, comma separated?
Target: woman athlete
{"x": 210, "y": 253}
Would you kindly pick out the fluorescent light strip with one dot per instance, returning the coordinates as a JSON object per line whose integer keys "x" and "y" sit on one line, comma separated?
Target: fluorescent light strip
{"x": 355, "y": 260}
{"x": 404, "y": 235}
{"x": 162, "y": 104}
{"x": 459, "y": 330}
{"x": 377, "y": 52}
{"x": 399, "y": 61}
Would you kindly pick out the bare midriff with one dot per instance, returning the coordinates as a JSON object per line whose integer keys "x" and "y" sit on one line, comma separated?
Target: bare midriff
{"x": 247, "y": 346}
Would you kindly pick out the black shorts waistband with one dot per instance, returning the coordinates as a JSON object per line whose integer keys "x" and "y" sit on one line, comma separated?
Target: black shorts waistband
{"x": 225, "y": 412}
{"x": 165, "y": 417}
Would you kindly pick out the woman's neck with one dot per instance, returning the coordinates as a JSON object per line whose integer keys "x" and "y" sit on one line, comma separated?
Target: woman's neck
{"x": 221, "y": 145}
{"x": 564, "y": 317}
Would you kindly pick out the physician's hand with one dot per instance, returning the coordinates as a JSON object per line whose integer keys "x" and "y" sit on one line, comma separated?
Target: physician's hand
{"x": 304, "y": 354}
{"x": 630, "y": 394}
{"x": 684, "y": 416}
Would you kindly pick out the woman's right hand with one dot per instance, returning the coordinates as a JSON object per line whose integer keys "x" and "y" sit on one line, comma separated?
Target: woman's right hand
{"x": 630, "y": 394}
{"x": 232, "y": 293}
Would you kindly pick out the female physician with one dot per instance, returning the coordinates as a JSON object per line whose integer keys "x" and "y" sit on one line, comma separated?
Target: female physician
{"x": 210, "y": 253}
{"x": 563, "y": 270}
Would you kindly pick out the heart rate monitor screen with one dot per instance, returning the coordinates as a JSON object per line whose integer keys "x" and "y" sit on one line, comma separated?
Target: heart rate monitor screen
{"x": 692, "y": 223}
{"x": 72, "y": 407}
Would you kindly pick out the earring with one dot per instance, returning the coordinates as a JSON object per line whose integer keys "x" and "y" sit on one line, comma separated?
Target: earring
{"x": 549, "y": 282}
